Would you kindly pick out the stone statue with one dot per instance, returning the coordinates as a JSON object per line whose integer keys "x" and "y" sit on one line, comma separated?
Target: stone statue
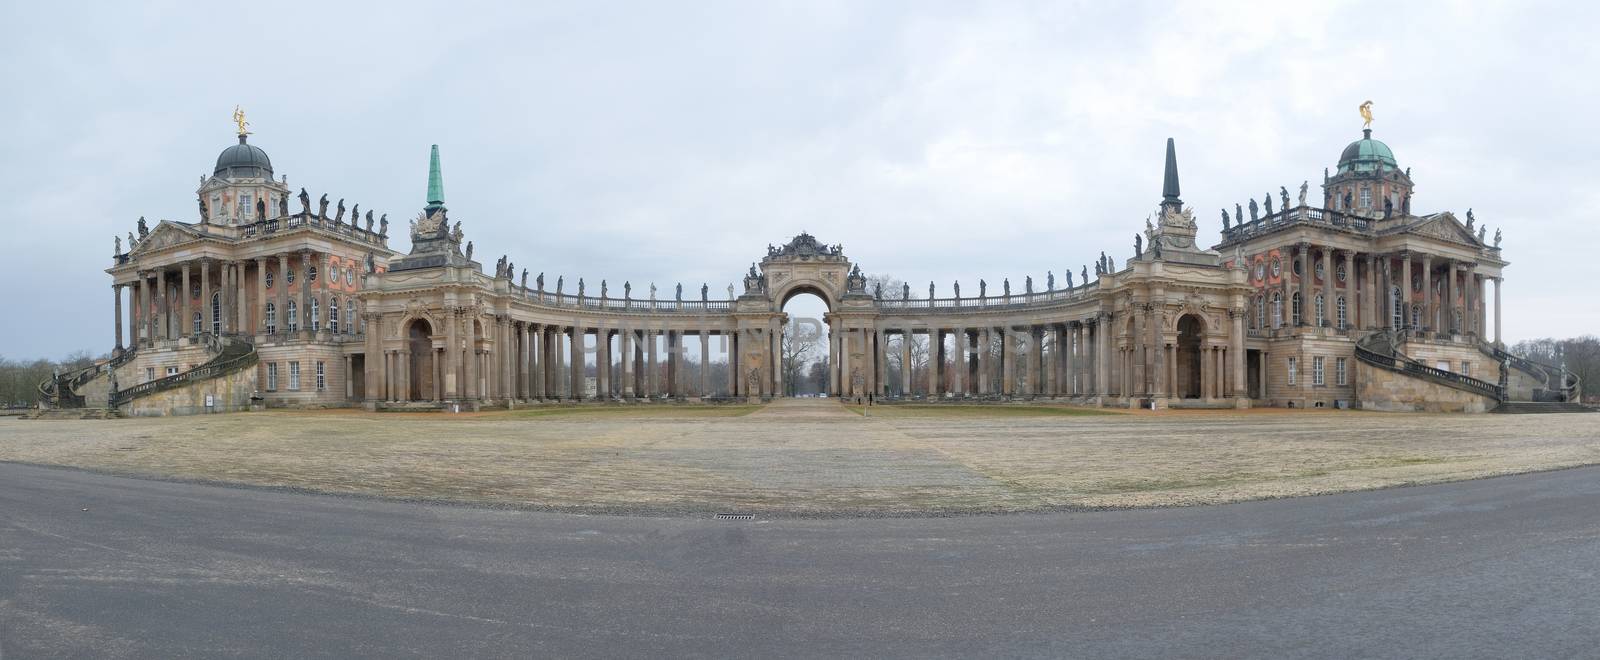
{"x": 1303, "y": 186}
{"x": 627, "y": 290}
{"x": 118, "y": 251}
{"x": 983, "y": 289}
{"x": 283, "y": 206}
{"x": 1497, "y": 237}
{"x": 1283, "y": 193}
{"x": 1069, "y": 277}
{"x": 1481, "y": 231}
{"x": 730, "y": 291}
{"x": 1148, "y": 228}
{"x": 1050, "y": 281}
{"x": 1269, "y": 205}
{"x": 322, "y": 207}
{"x": 355, "y": 215}
{"x": 957, "y": 286}
{"x": 1238, "y": 213}
{"x": 1085, "y": 274}
{"x": 131, "y": 242}
{"x": 679, "y": 295}
{"x": 1224, "y": 219}
{"x": 1028, "y": 285}
{"x": 261, "y": 209}
{"x": 204, "y": 217}
{"x": 1138, "y": 246}
{"x": 905, "y": 291}
{"x": 1255, "y": 211}
{"x": 603, "y": 290}
{"x": 539, "y": 281}
{"x": 383, "y": 225}
{"x": 1470, "y": 221}
{"x": 705, "y": 292}
{"x": 580, "y": 287}
{"x": 305, "y": 203}
{"x": 144, "y": 229}
{"x": 1111, "y": 264}
{"x": 652, "y": 292}
{"x": 1006, "y": 283}
{"x": 455, "y": 233}
{"x": 372, "y": 263}
{"x": 1155, "y": 246}
{"x": 561, "y": 281}
{"x": 877, "y": 291}
{"x": 469, "y": 250}
{"x": 930, "y": 290}
{"x": 1349, "y": 200}
{"x": 338, "y": 215}
{"x": 511, "y": 269}
{"x": 369, "y": 221}
{"x": 524, "y": 279}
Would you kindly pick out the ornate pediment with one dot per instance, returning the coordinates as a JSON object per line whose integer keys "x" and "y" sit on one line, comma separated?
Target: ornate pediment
{"x": 1443, "y": 226}
{"x": 165, "y": 235}
{"x": 804, "y": 247}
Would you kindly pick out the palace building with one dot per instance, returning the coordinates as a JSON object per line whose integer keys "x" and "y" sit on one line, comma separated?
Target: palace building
{"x": 1354, "y": 302}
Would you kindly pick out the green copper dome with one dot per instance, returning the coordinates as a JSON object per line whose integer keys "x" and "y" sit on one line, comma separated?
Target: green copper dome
{"x": 1365, "y": 154}
{"x": 243, "y": 160}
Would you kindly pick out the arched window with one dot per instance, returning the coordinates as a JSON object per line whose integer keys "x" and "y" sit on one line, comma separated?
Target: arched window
{"x": 355, "y": 316}
{"x": 313, "y": 315}
{"x": 216, "y": 313}
{"x": 1277, "y": 310}
{"x": 1321, "y": 310}
{"x": 1294, "y": 308}
{"x": 333, "y": 315}
{"x": 1261, "y": 312}
{"x": 1416, "y": 316}
{"x": 272, "y": 319}
{"x": 269, "y": 279}
{"x": 292, "y": 316}
{"x": 1342, "y": 309}
{"x": 1396, "y": 312}
{"x": 198, "y": 322}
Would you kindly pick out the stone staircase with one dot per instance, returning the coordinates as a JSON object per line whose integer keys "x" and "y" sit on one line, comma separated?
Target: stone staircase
{"x": 230, "y": 355}
{"x": 1535, "y": 407}
{"x": 73, "y": 413}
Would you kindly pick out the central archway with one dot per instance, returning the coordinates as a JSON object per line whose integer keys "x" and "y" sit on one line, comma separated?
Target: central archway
{"x": 1191, "y": 332}
{"x": 805, "y": 356}
{"x": 419, "y": 342}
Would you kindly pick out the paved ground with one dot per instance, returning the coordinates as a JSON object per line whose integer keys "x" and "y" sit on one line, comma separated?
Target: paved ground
{"x": 107, "y": 567}
{"x": 814, "y": 457}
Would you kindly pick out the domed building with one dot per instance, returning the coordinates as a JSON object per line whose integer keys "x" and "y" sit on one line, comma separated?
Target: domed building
{"x": 1367, "y": 181}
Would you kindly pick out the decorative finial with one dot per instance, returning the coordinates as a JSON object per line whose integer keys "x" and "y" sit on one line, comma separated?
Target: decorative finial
{"x": 1169, "y": 183}
{"x": 435, "y": 181}
{"x": 1366, "y": 114}
{"x": 238, "y": 118}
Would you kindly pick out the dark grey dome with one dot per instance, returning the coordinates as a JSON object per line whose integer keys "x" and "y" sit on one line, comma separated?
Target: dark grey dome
{"x": 244, "y": 161}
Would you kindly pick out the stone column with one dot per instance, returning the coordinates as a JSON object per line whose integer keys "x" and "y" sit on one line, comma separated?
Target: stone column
{"x": 1155, "y": 353}
{"x": 602, "y": 363}
{"x": 625, "y": 342}
{"x": 452, "y": 351}
{"x": 1426, "y": 308}
{"x": 242, "y": 303}
{"x": 470, "y": 354}
{"x": 282, "y": 295}
{"x": 371, "y": 358}
{"x": 578, "y": 385}
{"x": 1305, "y": 284}
{"x": 205, "y": 295}
{"x": 986, "y": 339}
{"x": 846, "y": 383}
{"x": 1405, "y": 290}
{"x": 774, "y": 338}
{"x": 935, "y": 360}
{"x": 1328, "y": 313}
{"x": 959, "y": 378}
{"x": 116, "y": 311}
{"x": 1008, "y": 357}
{"x": 652, "y": 369}
{"x": 260, "y": 306}
{"x": 1349, "y": 290}
{"x": 732, "y": 353}
{"x": 1450, "y": 298}
{"x": 1236, "y": 347}
{"x": 905, "y": 363}
{"x": 1500, "y": 282}
{"x": 1480, "y": 283}
{"x": 305, "y": 293}
{"x": 186, "y": 321}
{"x": 524, "y": 340}
{"x": 705, "y": 362}
{"x": 1369, "y": 298}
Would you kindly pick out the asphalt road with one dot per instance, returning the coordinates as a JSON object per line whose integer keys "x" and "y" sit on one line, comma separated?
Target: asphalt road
{"x": 1496, "y": 568}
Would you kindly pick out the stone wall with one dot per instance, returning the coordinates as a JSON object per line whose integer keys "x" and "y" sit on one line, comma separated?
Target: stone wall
{"x": 1304, "y": 393}
{"x": 332, "y": 394}
{"x": 230, "y": 393}
{"x": 1381, "y": 389}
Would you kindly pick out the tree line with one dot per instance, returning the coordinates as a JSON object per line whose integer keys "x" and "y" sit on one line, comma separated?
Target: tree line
{"x": 1580, "y": 355}
{"x": 19, "y": 379}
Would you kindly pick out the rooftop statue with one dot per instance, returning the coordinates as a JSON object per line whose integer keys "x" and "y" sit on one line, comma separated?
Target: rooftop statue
{"x": 539, "y": 281}
{"x": 1303, "y": 186}
{"x": 730, "y": 291}
{"x": 1255, "y": 211}
{"x": 679, "y": 294}
{"x": 877, "y": 290}
{"x": 704, "y": 292}
{"x": 1284, "y": 194}
{"x": 204, "y": 215}
{"x": 603, "y": 290}
{"x": 1481, "y": 231}
{"x": 1470, "y": 221}
{"x": 1050, "y": 280}
{"x": 1155, "y": 246}
{"x": 322, "y": 207}
{"x": 580, "y": 287}
{"x": 1497, "y": 238}
{"x": 1224, "y": 219}
{"x": 957, "y": 287}
{"x": 455, "y": 234}
{"x": 369, "y": 221}
{"x": 305, "y": 203}
{"x": 283, "y": 206}
{"x": 1028, "y": 285}
{"x": 652, "y": 292}
{"x": 1238, "y": 213}
{"x": 983, "y": 289}
{"x": 118, "y": 240}
{"x": 1069, "y": 278}
{"x": 524, "y": 279}
{"x": 930, "y": 290}
{"x": 144, "y": 229}
{"x": 1366, "y": 114}
{"x": 469, "y": 250}
{"x": 627, "y": 290}
{"x": 1006, "y": 283}
{"x": 261, "y": 209}
{"x": 355, "y": 215}
{"x": 383, "y": 225}
{"x": 1085, "y": 274}
{"x": 1138, "y": 246}
{"x": 905, "y": 291}
{"x": 131, "y": 242}
{"x": 1269, "y": 204}
{"x": 339, "y": 215}
{"x": 561, "y": 281}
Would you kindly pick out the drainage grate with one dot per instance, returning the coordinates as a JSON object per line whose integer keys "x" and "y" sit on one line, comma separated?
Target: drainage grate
{"x": 736, "y": 516}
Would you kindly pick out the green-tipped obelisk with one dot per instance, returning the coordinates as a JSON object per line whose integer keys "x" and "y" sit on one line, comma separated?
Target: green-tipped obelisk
{"x": 435, "y": 181}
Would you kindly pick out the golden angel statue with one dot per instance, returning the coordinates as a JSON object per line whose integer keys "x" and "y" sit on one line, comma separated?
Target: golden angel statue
{"x": 238, "y": 118}
{"x": 1366, "y": 113}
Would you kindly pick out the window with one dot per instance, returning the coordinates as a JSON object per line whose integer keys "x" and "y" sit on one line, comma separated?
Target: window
{"x": 1277, "y": 267}
{"x": 149, "y": 374}
{"x": 294, "y": 376}
{"x": 216, "y": 206}
{"x": 314, "y": 317}
{"x": 1277, "y": 310}
{"x": 1261, "y": 311}
{"x": 272, "y": 319}
{"x": 197, "y": 322}
{"x": 1466, "y": 368}
{"x": 1342, "y": 310}
{"x": 1339, "y": 371}
{"x": 1294, "y": 369}
{"x": 1294, "y": 307}
{"x": 1366, "y": 197}
{"x": 1416, "y": 317}
{"x": 288, "y": 276}
{"x": 1396, "y": 313}
{"x": 216, "y": 313}
{"x": 272, "y": 376}
{"x": 293, "y": 318}
{"x": 1321, "y": 311}
{"x": 322, "y": 376}
{"x": 247, "y": 205}
{"x": 1317, "y": 375}
{"x": 350, "y": 327}
{"x": 1342, "y": 274}
{"x": 333, "y": 315}
{"x": 349, "y": 276}
{"x": 172, "y": 371}
{"x": 311, "y": 273}
{"x": 269, "y": 279}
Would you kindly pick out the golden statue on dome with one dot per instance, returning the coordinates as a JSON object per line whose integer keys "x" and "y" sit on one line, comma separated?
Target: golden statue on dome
{"x": 238, "y": 118}
{"x": 1366, "y": 113}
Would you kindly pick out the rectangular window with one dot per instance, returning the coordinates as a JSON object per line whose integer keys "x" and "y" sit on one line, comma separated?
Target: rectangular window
{"x": 1317, "y": 373}
{"x": 1442, "y": 365}
{"x": 1339, "y": 371}
{"x": 272, "y": 376}
{"x": 294, "y": 376}
{"x": 1294, "y": 368}
{"x": 247, "y": 205}
{"x": 172, "y": 371}
{"x": 1466, "y": 368}
{"x": 322, "y": 376}
{"x": 1366, "y": 197}
{"x": 149, "y": 374}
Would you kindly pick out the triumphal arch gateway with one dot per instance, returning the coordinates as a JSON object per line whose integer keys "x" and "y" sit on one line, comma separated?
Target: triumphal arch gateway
{"x": 1356, "y": 301}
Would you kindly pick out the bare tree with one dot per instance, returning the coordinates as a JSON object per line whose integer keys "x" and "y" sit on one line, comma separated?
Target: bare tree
{"x": 800, "y": 342}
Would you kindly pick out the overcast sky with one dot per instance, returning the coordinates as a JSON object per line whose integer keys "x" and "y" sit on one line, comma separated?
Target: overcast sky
{"x": 674, "y": 141}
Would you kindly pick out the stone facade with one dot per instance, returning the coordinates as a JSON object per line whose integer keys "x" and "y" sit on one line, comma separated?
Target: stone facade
{"x": 1269, "y": 316}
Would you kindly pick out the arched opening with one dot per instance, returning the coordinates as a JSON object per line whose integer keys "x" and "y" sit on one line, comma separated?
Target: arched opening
{"x": 805, "y": 360}
{"x": 419, "y": 342}
{"x": 1191, "y": 332}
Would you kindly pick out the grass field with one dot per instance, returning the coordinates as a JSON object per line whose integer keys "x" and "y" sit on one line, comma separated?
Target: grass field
{"x": 814, "y": 457}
